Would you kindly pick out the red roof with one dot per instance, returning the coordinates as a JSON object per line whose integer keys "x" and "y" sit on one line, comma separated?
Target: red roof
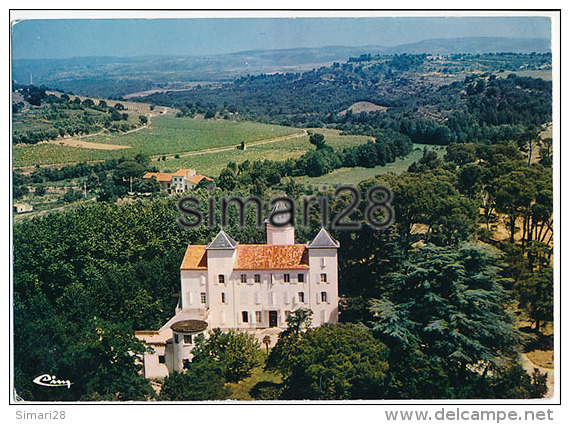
{"x": 262, "y": 256}
{"x": 253, "y": 257}
{"x": 195, "y": 258}
{"x": 197, "y": 178}
{"x": 160, "y": 176}
{"x": 181, "y": 173}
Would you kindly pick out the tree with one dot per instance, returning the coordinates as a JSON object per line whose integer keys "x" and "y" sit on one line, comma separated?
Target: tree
{"x": 429, "y": 198}
{"x": 266, "y": 342}
{"x": 143, "y": 119}
{"x": 513, "y": 382}
{"x": 40, "y": 191}
{"x": 236, "y": 352}
{"x": 318, "y": 140}
{"x": 334, "y": 361}
{"x": 128, "y": 170}
{"x": 448, "y": 303}
{"x": 460, "y": 153}
{"x": 106, "y": 364}
{"x": 227, "y": 179}
{"x": 200, "y": 381}
{"x": 146, "y": 185}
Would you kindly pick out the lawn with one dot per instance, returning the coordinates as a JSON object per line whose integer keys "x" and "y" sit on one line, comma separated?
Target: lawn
{"x": 353, "y": 176}
{"x": 241, "y": 390}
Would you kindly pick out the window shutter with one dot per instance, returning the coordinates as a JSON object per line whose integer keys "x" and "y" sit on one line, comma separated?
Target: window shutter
{"x": 257, "y": 298}
{"x": 286, "y": 298}
{"x": 318, "y": 298}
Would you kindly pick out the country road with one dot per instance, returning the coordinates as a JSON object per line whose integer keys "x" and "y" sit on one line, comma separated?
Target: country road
{"x": 529, "y": 368}
{"x": 28, "y": 169}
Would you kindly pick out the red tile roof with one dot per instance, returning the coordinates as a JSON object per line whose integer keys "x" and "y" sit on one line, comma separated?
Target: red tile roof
{"x": 195, "y": 258}
{"x": 167, "y": 176}
{"x": 160, "y": 176}
{"x": 197, "y": 178}
{"x": 253, "y": 257}
{"x": 262, "y": 256}
{"x": 181, "y": 173}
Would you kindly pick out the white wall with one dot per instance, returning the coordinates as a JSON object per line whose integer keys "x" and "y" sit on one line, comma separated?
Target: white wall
{"x": 152, "y": 368}
{"x": 324, "y": 261}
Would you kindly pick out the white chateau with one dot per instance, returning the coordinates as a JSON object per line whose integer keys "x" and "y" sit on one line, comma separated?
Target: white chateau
{"x": 246, "y": 287}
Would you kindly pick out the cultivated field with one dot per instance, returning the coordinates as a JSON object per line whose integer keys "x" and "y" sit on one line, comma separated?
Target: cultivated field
{"x": 165, "y": 135}
{"x": 290, "y": 147}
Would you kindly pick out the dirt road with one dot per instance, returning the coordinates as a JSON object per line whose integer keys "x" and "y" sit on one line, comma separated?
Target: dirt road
{"x": 228, "y": 148}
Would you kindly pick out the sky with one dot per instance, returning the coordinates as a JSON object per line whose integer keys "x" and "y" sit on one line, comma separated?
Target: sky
{"x": 41, "y": 38}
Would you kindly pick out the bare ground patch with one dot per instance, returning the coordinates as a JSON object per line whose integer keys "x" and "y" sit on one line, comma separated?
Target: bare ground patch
{"x": 363, "y": 107}
{"x": 73, "y": 142}
{"x": 542, "y": 358}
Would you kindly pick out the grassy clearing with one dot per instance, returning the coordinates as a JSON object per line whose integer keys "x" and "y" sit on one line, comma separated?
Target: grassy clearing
{"x": 357, "y": 174}
{"x": 545, "y": 74}
{"x": 241, "y": 390}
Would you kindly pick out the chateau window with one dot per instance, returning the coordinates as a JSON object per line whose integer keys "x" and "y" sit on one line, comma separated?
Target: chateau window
{"x": 161, "y": 359}
{"x": 257, "y": 278}
{"x": 257, "y": 316}
{"x": 323, "y": 278}
{"x": 244, "y": 316}
{"x": 301, "y": 278}
{"x": 286, "y": 278}
{"x": 243, "y": 278}
{"x": 221, "y": 278}
{"x": 301, "y": 296}
{"x": 324, "y": 297}
{"x": 187, "y": 339}
{"x": 223, "y": 297}
{"x": 176, "y": 338}
{"x": 203, "y": 298}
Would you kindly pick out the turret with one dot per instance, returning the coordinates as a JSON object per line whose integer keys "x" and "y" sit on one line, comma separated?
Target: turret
{"x": 280, "y": 235}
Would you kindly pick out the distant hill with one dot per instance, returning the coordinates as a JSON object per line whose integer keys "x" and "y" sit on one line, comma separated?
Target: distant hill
{"x": 119, "y": 76}
{"x": 474, "y": 45}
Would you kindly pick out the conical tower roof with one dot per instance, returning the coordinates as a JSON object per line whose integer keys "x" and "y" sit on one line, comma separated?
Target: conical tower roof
{"x": 281, "y": 218}
{"x": 222, "y": 242}
{"x": 323, "y": 240}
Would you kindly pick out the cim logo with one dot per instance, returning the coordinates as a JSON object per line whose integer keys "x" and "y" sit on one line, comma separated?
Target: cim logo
{"x": 51, "y": 381}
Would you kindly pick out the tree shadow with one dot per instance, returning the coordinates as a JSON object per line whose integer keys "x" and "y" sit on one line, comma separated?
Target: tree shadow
{"x": 266, "y": 390}
{"x": 536, "y": 340}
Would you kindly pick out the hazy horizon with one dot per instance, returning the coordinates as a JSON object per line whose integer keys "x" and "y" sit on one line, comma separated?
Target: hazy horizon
{"x": 71, "y": 38}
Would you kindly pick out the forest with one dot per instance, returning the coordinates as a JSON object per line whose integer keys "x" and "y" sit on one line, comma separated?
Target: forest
{"x": 441, "y": 299}
{"x": 477, "y": 107}
{"x": 435, "y": 306}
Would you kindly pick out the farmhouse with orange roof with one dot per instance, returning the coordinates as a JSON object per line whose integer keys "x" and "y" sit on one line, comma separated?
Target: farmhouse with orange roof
{"x": 177, "y": 182}
{"x": 246, "y": 287}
